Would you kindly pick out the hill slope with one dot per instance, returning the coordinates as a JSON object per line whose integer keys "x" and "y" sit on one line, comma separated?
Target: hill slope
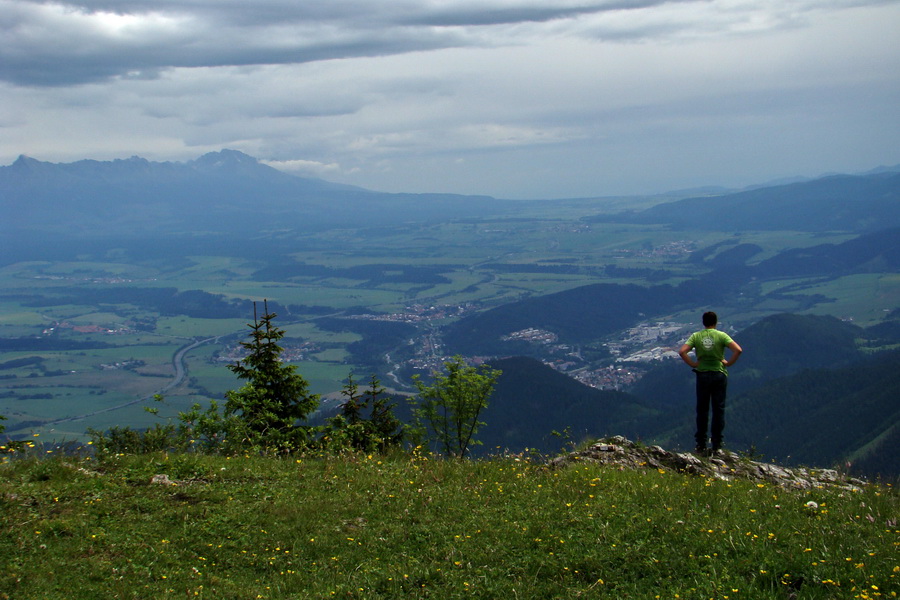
{"x": 804, "y": 392}
{"x": 826, "y": 416}
{"x": 400, "y": 526}
{"x": 531, "y": 400}
{"x": 589, "y": 313}
{"x": 875, "y": 251}
{"x": 837, "y": 203}
{"x": 582, "y": 314}
{"x": 776, "y": 346}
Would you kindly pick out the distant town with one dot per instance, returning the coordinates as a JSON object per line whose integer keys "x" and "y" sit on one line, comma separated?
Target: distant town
{"x": 631, "y": 355}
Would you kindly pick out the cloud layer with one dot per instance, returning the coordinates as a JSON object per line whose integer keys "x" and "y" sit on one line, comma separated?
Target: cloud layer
{"x": 504, "y": 97}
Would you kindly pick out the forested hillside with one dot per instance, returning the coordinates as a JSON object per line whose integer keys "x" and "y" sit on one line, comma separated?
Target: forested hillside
{"x": 578, "y": 315}
{"x": 876, "y": 251}
{"x": 807, "y": 390}
{"x": 842, "y": 202}
{"x": 534, "y": 407}
{"x": 594, "y": 311}
{"x": 826, "y": 416}
{"x": 532, "y": 400}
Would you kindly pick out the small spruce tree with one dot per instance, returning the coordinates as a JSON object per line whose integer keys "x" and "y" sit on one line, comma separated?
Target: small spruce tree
{"x": 387, "y": 430}
{"x": 366, "y": 421}
{"x": 266, "y": 412}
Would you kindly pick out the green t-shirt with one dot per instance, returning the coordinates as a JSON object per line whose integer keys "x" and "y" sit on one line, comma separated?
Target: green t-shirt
{"x": 710, "y": 344}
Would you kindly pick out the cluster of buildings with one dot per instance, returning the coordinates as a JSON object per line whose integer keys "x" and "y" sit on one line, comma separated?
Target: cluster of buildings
{"x": 640, "y": 345}
{"x": 612, "y": 377}
{"x": 106, "y": 279}
{"x": 232, "y": 353}
{"x": 667, "y": 250}
{"x": 125, "y": 364}
{"x": 84, "y": 328}
{"x": 648, "y": 342}
{"x": 418, "y": 313}
{"x": 651, "y": 354}
{"x": 533, "y": 335}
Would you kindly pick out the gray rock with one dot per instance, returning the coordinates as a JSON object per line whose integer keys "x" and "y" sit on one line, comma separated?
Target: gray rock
{"x": 622, "y": 453}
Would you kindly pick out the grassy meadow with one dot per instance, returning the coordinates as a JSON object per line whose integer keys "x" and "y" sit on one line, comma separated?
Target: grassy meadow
{"x": 412, "y": 526}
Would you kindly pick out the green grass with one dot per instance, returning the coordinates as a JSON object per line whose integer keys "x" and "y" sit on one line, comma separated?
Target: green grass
{"x": 864, "y": 298}
{"x": 184, "y": 327}
{"x": 322, "y": 376}
{"x": 389, "y": 527}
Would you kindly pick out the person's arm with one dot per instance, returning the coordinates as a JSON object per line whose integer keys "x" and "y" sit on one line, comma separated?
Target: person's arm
{"x": 736, "y": 351}
{"x": 683, "y": 353}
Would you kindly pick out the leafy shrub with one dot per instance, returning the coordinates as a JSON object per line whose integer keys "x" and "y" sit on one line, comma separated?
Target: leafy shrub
{"x": 448, "y": 409}
{"x": 125, "y": 440}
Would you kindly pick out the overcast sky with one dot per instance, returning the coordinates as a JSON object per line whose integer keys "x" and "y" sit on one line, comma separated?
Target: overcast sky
{"x": 511, "y": 98}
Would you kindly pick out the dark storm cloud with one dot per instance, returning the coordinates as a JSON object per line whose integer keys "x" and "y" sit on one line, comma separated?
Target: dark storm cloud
{"x": 484, "y": 14}
{"x": 53, "y": 44}
{"x": 47, "y": 45}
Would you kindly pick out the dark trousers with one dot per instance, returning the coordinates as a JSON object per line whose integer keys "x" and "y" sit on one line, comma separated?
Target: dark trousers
{"x": 711, "y": 389}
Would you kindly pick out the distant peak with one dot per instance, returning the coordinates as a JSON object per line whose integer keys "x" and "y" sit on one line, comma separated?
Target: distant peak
{"x": 225, "y": 157}
{"x": 25, "y": 160}
{"x": 25, "y": 164}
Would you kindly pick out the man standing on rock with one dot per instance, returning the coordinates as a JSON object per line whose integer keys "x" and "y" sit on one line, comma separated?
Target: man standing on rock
{"x": 710, "y": 366}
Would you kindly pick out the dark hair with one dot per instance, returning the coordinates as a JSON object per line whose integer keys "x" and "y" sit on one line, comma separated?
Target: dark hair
{"x": 710, "y": 319}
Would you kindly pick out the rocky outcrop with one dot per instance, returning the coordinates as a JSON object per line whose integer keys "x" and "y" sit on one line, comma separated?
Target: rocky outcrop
{"x": 623, "y": 453}
{"x": 163, "y": 479}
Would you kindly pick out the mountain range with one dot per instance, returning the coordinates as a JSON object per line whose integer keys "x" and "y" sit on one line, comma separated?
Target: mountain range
{"x": 860, "y": 203}
{"x": 229, "y": 191}
{"x": 224, "y": 191}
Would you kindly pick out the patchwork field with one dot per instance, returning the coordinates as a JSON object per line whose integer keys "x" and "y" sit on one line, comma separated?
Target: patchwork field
{"x": 87, "y": 341}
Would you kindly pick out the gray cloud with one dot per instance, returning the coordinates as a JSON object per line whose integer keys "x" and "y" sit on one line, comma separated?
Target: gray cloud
{"x": 505, "y": 97}
{"x": 55, "y": 44}
{"x": 47, "y": 44}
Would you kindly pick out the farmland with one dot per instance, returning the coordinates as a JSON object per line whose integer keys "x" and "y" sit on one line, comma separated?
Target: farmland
{"x": 89, "y": 339}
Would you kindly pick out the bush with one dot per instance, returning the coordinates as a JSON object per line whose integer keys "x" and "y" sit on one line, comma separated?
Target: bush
{"x": 448, "y": 409}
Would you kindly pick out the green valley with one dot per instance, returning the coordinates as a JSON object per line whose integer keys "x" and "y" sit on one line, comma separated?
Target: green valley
{"x": 98, "y": 316}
